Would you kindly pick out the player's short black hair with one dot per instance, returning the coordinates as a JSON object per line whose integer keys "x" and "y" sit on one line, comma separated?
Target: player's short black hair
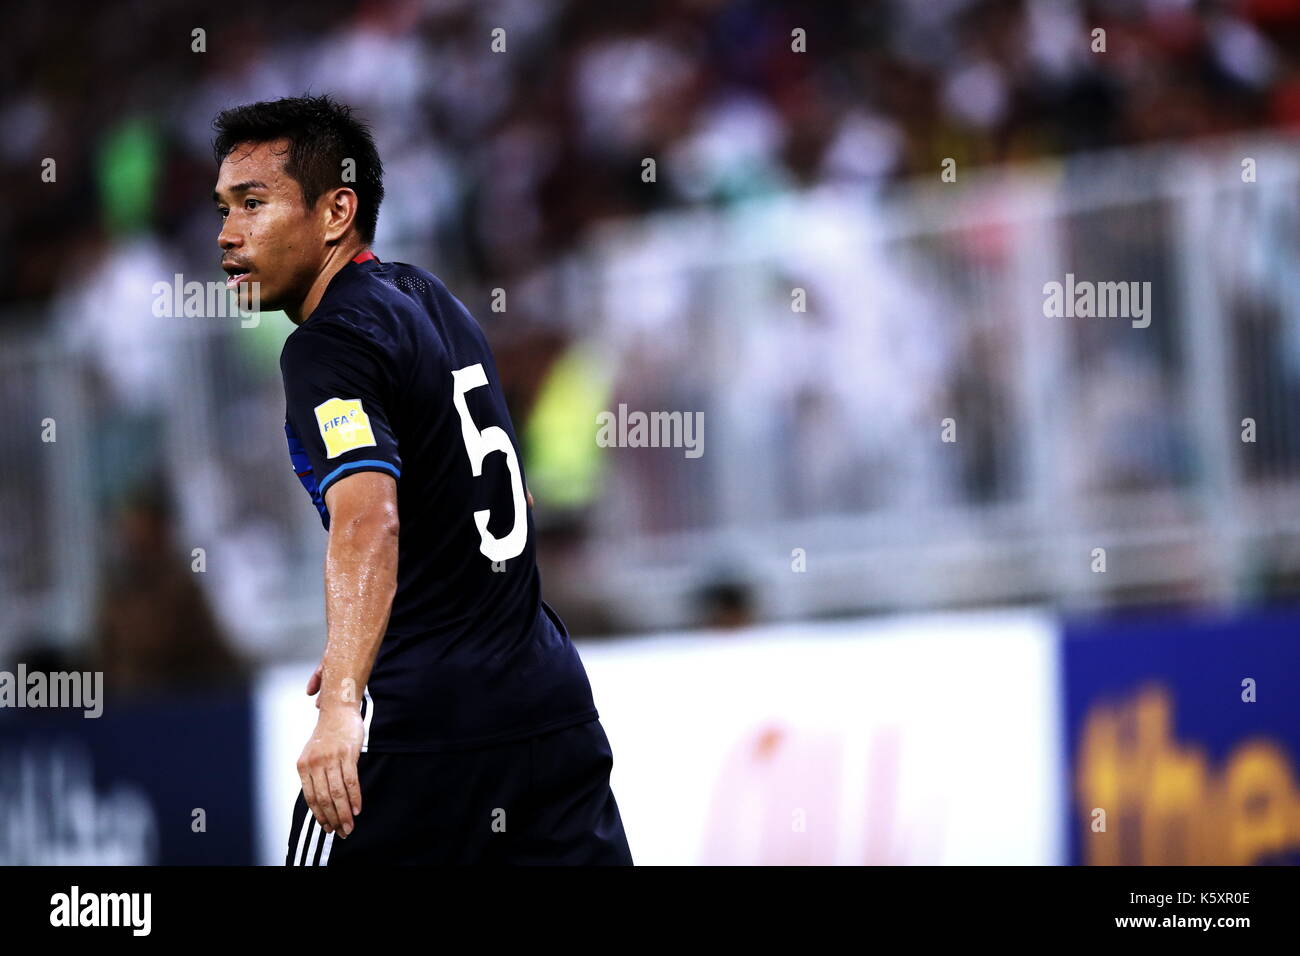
{"x": 322, "y": 134}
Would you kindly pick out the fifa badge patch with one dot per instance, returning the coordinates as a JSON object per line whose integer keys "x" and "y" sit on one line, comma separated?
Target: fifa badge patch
{"x": 344, "y": 425}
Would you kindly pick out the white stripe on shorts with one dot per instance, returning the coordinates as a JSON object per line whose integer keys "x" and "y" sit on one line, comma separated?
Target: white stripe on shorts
{"x": 370, "y": 715}
{"x": 302, "y": 835}
{"x": 311, "y": 847}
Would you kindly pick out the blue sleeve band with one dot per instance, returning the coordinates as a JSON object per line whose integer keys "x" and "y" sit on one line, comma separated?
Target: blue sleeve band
{"x": 353, "y": 465}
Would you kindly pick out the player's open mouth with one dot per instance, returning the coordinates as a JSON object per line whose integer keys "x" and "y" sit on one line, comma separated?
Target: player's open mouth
{"x": 235, "y": 279}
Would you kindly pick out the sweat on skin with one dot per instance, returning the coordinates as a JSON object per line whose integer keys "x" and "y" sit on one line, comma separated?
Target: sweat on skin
{"x": 270, "y": 235}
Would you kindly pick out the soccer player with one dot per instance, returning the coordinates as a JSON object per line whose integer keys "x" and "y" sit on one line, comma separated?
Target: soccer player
{"x": 456, "y": 720}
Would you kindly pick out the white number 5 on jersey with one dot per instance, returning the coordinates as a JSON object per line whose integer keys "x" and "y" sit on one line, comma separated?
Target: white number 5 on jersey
{"x": 479, "y": 444}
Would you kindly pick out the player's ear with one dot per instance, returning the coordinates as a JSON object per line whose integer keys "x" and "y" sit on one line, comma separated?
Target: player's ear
{"x": 339, "y": 207}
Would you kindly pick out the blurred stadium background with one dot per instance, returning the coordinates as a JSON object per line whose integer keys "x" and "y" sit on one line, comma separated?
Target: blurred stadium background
{"x": 834, "y": 637}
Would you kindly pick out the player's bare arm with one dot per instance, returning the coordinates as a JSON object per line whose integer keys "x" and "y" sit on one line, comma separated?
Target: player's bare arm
{"x": 360, "y": 581}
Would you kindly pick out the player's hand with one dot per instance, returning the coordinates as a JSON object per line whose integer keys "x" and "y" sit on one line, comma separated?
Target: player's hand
{"x": 328, "y": 767}
{"x": 313, "y": 682}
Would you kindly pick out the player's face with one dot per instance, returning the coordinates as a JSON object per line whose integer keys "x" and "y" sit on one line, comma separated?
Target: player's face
{"x": 269, "y": 236}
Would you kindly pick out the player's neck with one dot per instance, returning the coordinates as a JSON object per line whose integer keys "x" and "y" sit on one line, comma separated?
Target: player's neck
{"x": 338, "y": 257}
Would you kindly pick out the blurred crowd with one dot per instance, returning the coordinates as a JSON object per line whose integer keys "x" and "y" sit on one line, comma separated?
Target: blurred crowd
{"x": 498, "y": 161}
{"x": 510, "y": 132}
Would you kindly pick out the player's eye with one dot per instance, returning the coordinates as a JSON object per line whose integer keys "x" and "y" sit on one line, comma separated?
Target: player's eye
{"x": 223, "y": 210}
{"x": 254, "y": 202}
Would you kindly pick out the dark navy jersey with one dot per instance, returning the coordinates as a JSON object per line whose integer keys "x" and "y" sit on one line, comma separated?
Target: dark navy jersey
{"x": 391, "y": 373}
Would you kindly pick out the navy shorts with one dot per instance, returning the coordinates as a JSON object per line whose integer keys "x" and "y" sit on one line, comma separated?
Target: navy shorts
{"x": 544, "y": 801}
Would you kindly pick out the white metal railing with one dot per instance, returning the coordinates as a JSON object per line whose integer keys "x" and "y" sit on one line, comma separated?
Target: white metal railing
{"x": 823, "y": 429}
{"x": 927, "y": 304}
